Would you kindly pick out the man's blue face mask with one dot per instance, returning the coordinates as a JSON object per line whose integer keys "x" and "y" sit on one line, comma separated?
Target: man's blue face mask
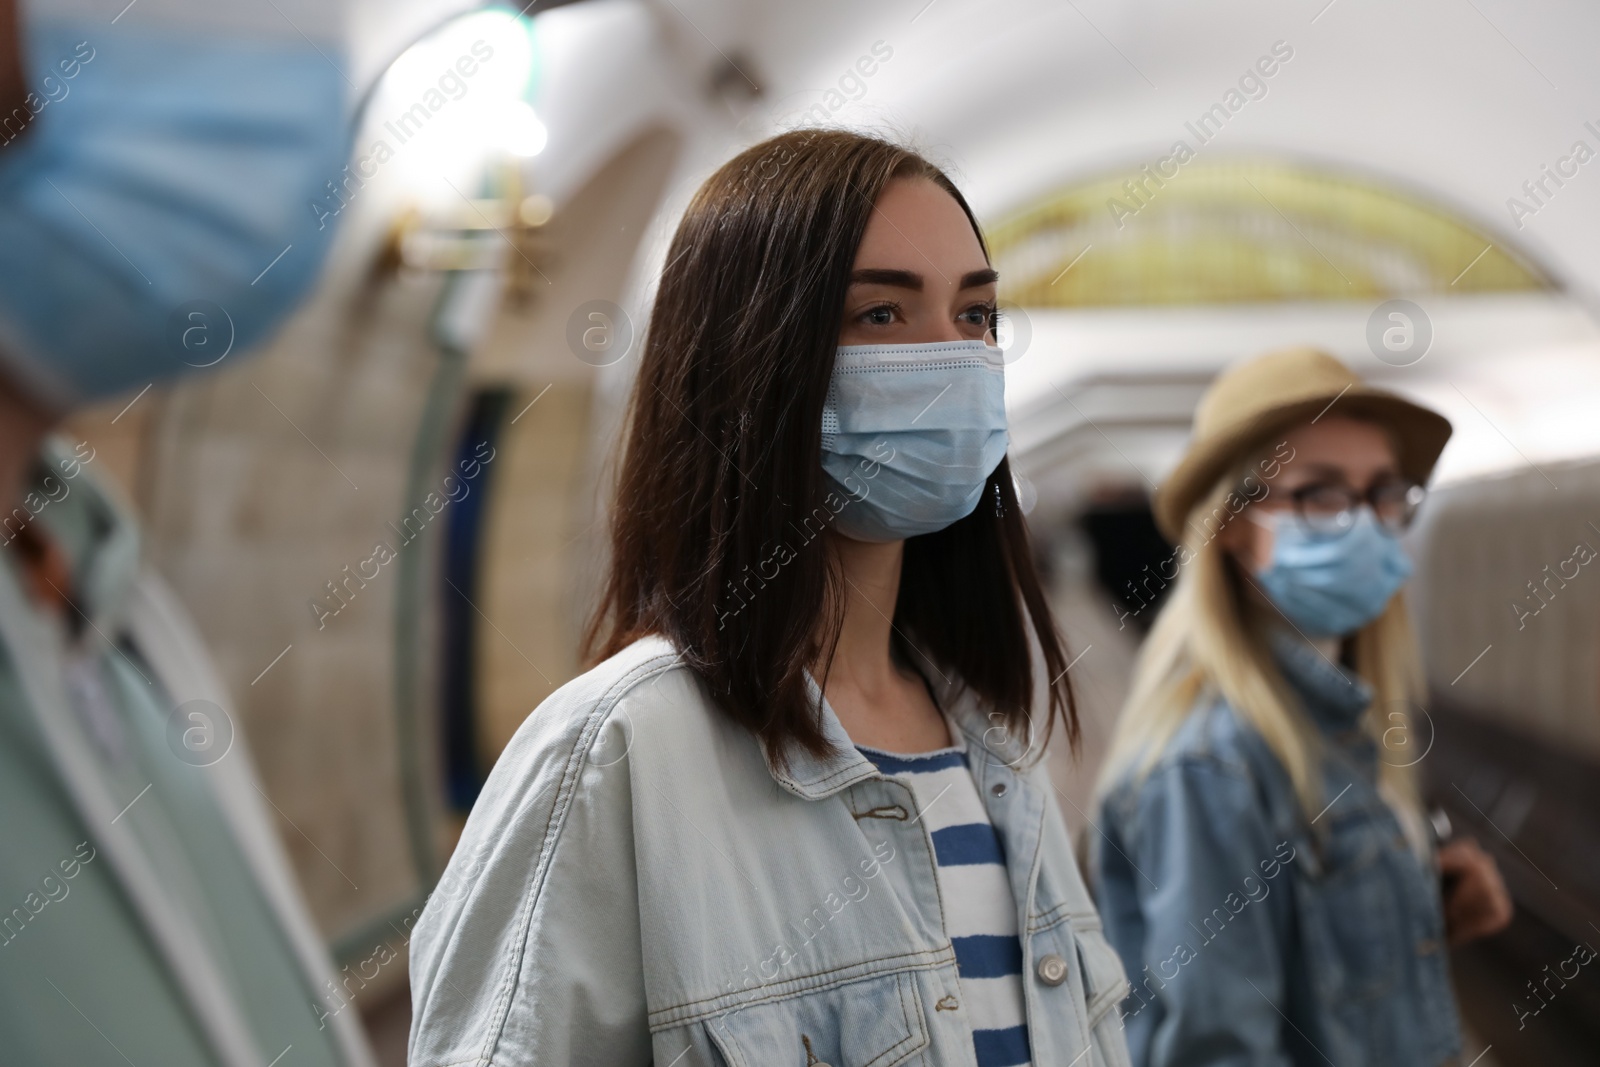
{"x": 157, "y": 213}
{"x": 910, "y": 435}
{"x": 1330, "y": 586}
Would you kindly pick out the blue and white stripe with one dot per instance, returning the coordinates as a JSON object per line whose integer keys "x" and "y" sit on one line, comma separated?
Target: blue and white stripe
{"x": 980, "y": 913}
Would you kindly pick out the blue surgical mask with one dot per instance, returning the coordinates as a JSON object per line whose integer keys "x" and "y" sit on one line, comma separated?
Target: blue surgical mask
{"x": 1332, "y": 586}
{"x": 910, "y": 435}
{"x": 159, "y": 213}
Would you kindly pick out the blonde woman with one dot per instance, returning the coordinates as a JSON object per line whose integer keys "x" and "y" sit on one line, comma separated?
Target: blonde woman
{"x": 1265, "y": 871}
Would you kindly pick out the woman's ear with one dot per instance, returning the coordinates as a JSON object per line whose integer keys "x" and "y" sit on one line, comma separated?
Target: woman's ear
{"x": 1247, "y": 541}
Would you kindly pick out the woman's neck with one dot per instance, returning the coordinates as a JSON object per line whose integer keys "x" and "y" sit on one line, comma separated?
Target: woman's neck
{"x": 879, "y": 703}
{"x": 871, "y": 577}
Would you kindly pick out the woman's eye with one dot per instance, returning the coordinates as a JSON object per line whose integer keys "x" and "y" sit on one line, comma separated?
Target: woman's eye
{"x": 882, "y": 315}
{"x": 981, "y": 315}
{"x": 1327, "y": 497}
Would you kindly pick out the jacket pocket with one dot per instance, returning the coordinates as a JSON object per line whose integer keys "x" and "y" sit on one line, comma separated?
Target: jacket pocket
{"x": 1104, "y": 985}
{"x": 1104, "y": 988}
{"x": 876, "y": 1022}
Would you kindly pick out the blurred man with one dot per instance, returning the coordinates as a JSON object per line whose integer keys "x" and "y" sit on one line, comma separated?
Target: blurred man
{"x": 155, "y": 183}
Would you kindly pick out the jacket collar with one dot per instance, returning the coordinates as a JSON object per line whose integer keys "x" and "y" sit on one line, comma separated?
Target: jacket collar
{"x": 815, "y": 778}
{"x": 1335, "y": 697}
{"x": 94, "y": 529}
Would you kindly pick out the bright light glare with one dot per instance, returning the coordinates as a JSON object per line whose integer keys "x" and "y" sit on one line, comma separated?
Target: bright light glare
{"x": 494, "y": 43}
{"x": 457, "y": 97}
{"x": 521, "y": 132}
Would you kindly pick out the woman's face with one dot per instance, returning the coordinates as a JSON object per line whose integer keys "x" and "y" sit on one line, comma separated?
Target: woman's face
{"x": 1332, "y": 453}
{"x": 920, "y": 276}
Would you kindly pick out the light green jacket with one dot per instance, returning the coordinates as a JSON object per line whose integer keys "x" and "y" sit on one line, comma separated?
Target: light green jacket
{"x": 147, "y": 911}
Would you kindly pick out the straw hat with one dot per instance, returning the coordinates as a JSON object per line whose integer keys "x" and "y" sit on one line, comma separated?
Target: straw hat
{"x": 1254, "y": 401}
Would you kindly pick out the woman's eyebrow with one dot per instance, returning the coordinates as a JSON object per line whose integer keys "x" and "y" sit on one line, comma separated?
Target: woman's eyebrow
{"x": 906, "y": 279}
{"x": 903, "y": 279}
{"x": 1322, "y": 469}
{"x": 1333, "y": 470}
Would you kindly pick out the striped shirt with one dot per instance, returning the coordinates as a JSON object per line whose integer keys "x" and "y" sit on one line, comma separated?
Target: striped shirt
{"x": 979, "y": 912}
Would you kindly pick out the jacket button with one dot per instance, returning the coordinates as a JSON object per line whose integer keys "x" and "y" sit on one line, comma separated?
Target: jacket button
{"x": 998, "y": 789}
{"x": 1052, "y": 969}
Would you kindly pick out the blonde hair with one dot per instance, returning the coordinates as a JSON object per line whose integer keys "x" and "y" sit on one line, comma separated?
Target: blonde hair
{"x": 1210, "y": 641}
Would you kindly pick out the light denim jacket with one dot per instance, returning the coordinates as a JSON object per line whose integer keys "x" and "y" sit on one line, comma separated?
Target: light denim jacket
{"x": 636, "y": 885}
{"x": 1253, "y": 936}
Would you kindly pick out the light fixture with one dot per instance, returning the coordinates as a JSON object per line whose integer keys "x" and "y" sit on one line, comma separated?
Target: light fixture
{"x": 456, "y": 100}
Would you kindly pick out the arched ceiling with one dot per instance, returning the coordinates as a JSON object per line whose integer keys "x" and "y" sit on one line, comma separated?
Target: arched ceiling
{"x": 1463, "y": 102}
{"x": 1442, "y": 149}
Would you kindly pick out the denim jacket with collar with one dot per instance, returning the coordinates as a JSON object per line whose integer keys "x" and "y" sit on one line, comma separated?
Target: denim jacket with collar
{"x": 1255, "y": 934}
{"x": 637, "y": 884}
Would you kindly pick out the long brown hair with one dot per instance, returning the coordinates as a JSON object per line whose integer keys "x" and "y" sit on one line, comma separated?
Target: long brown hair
{"x": 720, "y": 498}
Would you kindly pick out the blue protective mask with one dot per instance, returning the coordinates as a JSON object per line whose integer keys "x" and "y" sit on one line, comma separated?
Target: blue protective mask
{"x": 910, "y": 435}
{"x": 158, "y": 213}
{"x": 1332, "y": 586}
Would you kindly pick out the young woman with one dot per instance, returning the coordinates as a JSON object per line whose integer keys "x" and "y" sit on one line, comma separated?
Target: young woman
{"x": 1265, "y": 871}
{"x": 795, "y": 816}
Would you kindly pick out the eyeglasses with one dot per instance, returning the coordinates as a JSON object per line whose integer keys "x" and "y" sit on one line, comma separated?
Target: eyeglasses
{"x": 1328, "y": 509}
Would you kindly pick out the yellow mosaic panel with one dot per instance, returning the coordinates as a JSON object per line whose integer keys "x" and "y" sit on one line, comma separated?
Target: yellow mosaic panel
{"x": 1245, "y": 231}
